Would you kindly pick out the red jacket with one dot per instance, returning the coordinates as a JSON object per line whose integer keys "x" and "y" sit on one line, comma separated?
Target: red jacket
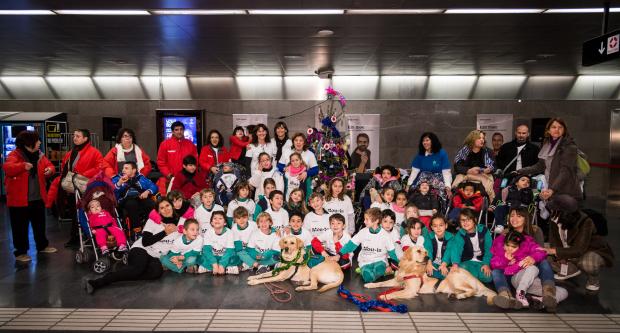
{"x": 207, "y": 157}
{"x": 236, "y": 146}
{"x": 189, "y": 188}
{"x": 459, "y": 200}
{"x": 171, "y": 153}
{"x": 16, "y": 178}
{"x": 111, "y": 166}
{"x": 90, "y": 162}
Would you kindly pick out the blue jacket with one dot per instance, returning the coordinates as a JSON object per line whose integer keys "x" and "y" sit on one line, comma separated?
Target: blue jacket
{"x": 133, "y": 187}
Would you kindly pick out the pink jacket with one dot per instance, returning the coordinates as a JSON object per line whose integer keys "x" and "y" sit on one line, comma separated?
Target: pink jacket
{"x": 528, "y": 247}
{"x": 100, "y": 219}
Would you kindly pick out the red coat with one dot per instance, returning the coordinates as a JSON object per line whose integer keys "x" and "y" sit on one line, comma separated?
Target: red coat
{"x": 90, "y": 161}
{"x": 189, "y": 188}
{"x": 207, "y": 157}
{"x": 475, "y": 200}
{"x": 171, "y": 153}
{"x": 16, "y": 178}
{"x": 111, "y": 166}
{"x": 236, "y": 146}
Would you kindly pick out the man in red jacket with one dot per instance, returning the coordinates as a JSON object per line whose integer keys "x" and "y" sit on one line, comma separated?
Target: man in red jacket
{"x": 171, "y": 153}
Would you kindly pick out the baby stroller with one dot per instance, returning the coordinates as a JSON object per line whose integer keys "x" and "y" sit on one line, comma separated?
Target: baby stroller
{"x": 100, "y": 188}
{"x": 225, "y": 180}
{"x": 378, "y": 183}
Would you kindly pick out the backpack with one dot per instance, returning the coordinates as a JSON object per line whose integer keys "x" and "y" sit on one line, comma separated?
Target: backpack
{"x": 583, "y": 166}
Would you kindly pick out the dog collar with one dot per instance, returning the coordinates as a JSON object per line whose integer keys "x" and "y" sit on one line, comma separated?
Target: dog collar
{"x": 412, "y": 276}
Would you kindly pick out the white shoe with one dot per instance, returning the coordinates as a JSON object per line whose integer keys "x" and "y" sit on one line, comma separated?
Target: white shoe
{"x": 232, "y": 270}
{"x": 593, "y": 285}
{"x": 498, "y": 229}
{"x": 245, "y": 267}
{"x": 521, "y": 298}
{"x": 202, "y": 270}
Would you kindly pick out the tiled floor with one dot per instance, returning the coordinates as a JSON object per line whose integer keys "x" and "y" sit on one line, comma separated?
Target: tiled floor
{"x": 222, "y": 320}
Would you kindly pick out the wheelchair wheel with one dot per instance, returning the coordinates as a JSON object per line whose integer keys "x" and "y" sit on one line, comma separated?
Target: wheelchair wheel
{"x": 102, "y": 265}
{"x": 87, "y": 256}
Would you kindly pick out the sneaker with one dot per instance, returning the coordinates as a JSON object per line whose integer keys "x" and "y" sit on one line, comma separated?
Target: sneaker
{"x": 562, "y": 277}
{"x": 23, "y": 258}
{"x": 104, "y": 251}
{"x": 522, "y": 299}
{"x": 191, "y": 270}
{"x": 498, "y": 229}
{"x": 202, "y": 270}
{"x": 49, "y": 249}
{"x": 232, "y": 270}
{"x": 245, "y": 267}
{"x": 593, "y": 284}
{"x": 262, "y": 269}
{"x": 122, "y": 248}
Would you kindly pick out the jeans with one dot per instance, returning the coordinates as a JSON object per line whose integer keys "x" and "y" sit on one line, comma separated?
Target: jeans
{"x": 545, "y": 272}
{"x": 500, "y": 280}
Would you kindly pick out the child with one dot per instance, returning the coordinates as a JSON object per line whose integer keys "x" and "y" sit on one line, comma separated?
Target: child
{"x": 205, "y": 211}
{"x": 518, "y": 194}
{"x": 413, "y": 234}
{"x": 398, "y": 207}
{"x": 102, "y": 225}
{"x": 296, "y": 229}
{"x": 382, "y": 200}
{"x": 439, "y": 244}
{"x": 338, "y": 202}
{"x": 242, "y": 230}
{"x": 242, "y": 199}
{"x": 181, "y": 207}
{"x": 329, "y": 243}
{"x": 384, "y": 177}
{"x": 269, "y": 185}
{"x": 238, "y": 144}
{"x": 388, "y": 222}
{"x": 183, "y": 255}
{"x": 225, "y": 182}
{"x": 278, "y": 214}
{"x": 472, "y": 247}
{"x": 317, "y": 221}
{"x": 189, "y": 180}
{"x": 219, "y": 248}
{"x": 265, "y": 170}
{"x": 466, "y": 197}
{"x": 263, "y": 246}
{"x": 296, "y": 202}
{"x": 411, "y": 210}
{"x": 376, "y": 247}
{"x": 427, "y": 202}
{"x": 295, "y": 167}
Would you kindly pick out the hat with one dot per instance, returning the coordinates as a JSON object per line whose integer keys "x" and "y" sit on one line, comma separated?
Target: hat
{"x": 564, "y": 203}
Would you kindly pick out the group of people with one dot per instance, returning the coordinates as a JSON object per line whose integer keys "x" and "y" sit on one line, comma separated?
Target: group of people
{"x": 214, "y": 218}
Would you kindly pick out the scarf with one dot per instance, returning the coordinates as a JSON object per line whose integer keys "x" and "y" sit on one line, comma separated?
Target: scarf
{"x": 32, "y": 158}
{"x": 120, "y": 156}
{"x": 181, "y": 211}
{"x": 396, "y": 209}
{"x": 170, "y": 220}
{"x": 279, "y": 145}
{"x": 73, "y": 158}
{"x": 293, "y": 171}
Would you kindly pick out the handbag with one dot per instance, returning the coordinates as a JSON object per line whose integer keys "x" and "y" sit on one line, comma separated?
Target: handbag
{"x": 74, "y": 181}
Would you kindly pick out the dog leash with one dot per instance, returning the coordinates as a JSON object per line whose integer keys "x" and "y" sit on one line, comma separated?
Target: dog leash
{"x": 383, "y": 295}
{"x": 275, "y": 290}
{"x": 365, "y": 304}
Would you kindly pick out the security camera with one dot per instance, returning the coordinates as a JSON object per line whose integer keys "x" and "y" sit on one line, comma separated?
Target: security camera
{"x": 325, "y": 73}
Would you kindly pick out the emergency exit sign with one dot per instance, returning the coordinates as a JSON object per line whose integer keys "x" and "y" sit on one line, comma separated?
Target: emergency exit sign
{"x": 601, "y": 49}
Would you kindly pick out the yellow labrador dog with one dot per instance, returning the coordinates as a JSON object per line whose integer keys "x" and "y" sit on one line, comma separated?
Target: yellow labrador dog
{"x": 411, "y": 276}
{"x": 460, "y": 284}
{"x": 328, "y": 272}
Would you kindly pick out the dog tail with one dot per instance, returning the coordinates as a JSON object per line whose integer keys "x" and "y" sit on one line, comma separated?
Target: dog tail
{"x": 332, "y": 285}
{"x": 490, "y": 294}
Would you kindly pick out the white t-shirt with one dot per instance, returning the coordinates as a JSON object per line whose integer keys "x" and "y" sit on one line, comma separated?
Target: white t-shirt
{"x": 304, "y": 235}
{"x": 179, "y": 245}
{"x": 248, "y": 204}
{"x": 292, "y": 183}
{"x": 161, "y": 247}
{"x": 307, "y": 156}
{"x": 406, "y": 241}
{"x": 280, "y": 218}
{"x": 253, "y": 150}
{"x": 245, "y": 234}
{"x": 258, "y": 179}
{"x": 375, "y": 247}
{"x": 329, "y": 245}
{"x": 316, "y": 224}
{"x": 519, "y": 162}
{"x": 263, "y": 243}
{"x": 203, "y": 216}
{"x": 381, "y": 205}
{"x": 476, "y": 246}
{"x": 219, "y": 243}
{"x": 438, "y": 256}
{"x": 344, "y": 207}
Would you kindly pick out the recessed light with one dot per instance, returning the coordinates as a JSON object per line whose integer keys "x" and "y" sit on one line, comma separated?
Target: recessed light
{"x": 293, "y": 56}
{"x": 393, "y": 11}
{"x": 101, "y": 12}
{"x": 198, "y": 12}
{"x": 575, "y": 10}
{"x": 325, "y": 32}
{"x": 494, "y": 11}
{"x": 26, "y": 12}
{"x": 296, "y": 11}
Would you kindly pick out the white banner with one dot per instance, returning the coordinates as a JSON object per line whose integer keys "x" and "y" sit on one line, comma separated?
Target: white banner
{"x": 369, "y": 124}
{"x": 244, "y": 120}
{"x": 495, "y": 123}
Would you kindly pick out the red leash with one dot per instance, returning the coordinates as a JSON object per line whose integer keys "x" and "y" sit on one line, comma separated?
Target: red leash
{"x": 393, "y": 290}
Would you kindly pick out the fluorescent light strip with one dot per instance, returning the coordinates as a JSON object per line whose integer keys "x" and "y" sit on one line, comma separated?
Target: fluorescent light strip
{"x": 494, "y": 11}
{"x": 198, "y": 12}
{"x": 101, "y": 12}
{"x": 26, "y": 12}
{"x": 578, "y": 10}
{"x": 393, "y": 11}
{"x": 296, "y": 11}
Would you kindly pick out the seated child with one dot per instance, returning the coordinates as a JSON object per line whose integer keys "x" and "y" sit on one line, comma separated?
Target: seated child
{"x": 190, "y": 180}
{"x": 278, "y": 214}
{"x": 102, "y": 225}
{"x": 295, "y": 167}
{"x": 466, "y": 197}
{"x": 439, "y": 244}
{"x": 427, "y": 202}
{"x": 518, "y": 194}
{"x": 263, "y": 247}
{"x": 376, "y": 247}
{"x": 133, "y": 191}
{"x": 384, "y": 177}
{"x": 181, "y": 208}
{"x": 241, "y": 199}
{"x": 472, "y": 247}
{"x": 224, "y": 183}
{"x": 266, "y": 170}
{"x": 316, "y": 221}
{"x": 296, "y": 202}
{"x": 185, "y": 251}
{"x": 269, "y": 185}
{"x": 329, "y": 243}
{"x": 388, "y": 222}
{"x": 398, "y": 207}
{"x": 242, "y": 231}
{"x": 296, "y": 229}
{"x": 411, "y": 211}
{"x": 413, "y": 234}
{"x": 382, "y": 200}
{"x": 204, "y": 212}
{"x": 218, "y": 251}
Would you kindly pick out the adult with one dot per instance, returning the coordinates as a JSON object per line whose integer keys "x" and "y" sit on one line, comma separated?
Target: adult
{"x": 431, "y": 164}
{"x": 497, "y": 140}
{"x": 557, "y": 160}
{"x": 474, "y": 162}
{"x": 574, "y": 241}
{"x": 544, "y": 286}
{"x": 126, "y": 150}
{"x": 143, "y": 258}
{"x": 261, "y": 143}
{"x": 360, "y": 159}
{"x": 133, "y": 190}
{"x": 26, "y": 170}
{"x": 525, "y": 152}
{"x": 85, "y": 160}
{"x": 171, "y": 153}
{"x": 283, "y": 143}
{"x": 214, "y": 153}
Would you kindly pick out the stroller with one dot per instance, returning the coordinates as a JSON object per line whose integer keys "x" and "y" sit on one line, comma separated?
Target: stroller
{"x": 225, "y": 180}
{"x": 478, "y": 189}
{"x": 375, "y": 182}
{"x": 100, "y": 187}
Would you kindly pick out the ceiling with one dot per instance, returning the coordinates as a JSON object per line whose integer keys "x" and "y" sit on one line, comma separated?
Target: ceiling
{"x": 239, "y": 45}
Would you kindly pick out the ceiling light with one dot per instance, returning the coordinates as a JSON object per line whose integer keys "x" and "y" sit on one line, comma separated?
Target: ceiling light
{"x": 101, "y": 12}
{"x": 494, "y": 11}
{"x": 578, "y": 10}
{"x": 296, "y": 11}
{"x": 325, "y": 33}
{"x": 394, "y": 11}
{"x": 197, "y": 12}
{"x": 26, "y": 12}
{"x": 293, "y": 56}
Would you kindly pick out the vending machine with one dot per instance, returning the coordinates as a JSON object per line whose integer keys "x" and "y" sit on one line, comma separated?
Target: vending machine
{"x": 192, "y": 119}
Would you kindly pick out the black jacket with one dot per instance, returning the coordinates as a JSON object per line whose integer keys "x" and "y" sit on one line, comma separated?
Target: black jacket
{"x": 508, "y": 151}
